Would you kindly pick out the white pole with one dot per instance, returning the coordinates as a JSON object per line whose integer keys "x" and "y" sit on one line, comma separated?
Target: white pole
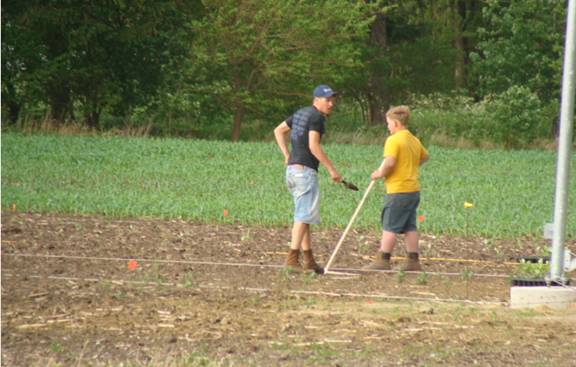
{"x": 368, "y": 189}
{"x": 327, "y": 267}
{"x": 564, "y": 150}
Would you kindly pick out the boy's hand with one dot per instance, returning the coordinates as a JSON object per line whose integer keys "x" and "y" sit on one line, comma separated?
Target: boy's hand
{"x": 376, "y": 175}
{"x": 385, "y": 168}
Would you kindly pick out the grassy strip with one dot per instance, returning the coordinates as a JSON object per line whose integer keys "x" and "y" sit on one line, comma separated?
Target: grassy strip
{"x": 208, "y": 181}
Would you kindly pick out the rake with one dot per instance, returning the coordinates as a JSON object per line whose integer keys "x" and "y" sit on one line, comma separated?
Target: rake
{"x": 345, "y": 233}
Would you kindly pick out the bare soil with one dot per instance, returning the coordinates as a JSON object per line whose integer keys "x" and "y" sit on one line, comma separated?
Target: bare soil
{"x": 95, "y": 291}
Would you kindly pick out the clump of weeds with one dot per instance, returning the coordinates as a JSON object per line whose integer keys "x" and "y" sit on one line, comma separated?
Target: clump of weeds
{"x": 400, "y": 276}
{"x": 422, "y": 278}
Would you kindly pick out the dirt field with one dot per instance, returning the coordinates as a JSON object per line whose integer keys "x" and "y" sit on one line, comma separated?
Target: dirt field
{"x": 216, "y": 295}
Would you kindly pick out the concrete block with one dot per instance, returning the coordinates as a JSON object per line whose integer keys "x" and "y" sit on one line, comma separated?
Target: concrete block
{"x": 554, "y": 297}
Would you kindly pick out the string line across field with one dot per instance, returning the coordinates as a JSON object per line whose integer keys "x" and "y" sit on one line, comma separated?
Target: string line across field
{"x": 253, "y": 265}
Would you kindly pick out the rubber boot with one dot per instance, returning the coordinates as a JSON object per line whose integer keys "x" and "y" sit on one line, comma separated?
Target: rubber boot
{"x": 412, "y": 263}
{"x": 381, "y": 262}
{"x": 292, "y": 261}
{"x": 310, "y": 264}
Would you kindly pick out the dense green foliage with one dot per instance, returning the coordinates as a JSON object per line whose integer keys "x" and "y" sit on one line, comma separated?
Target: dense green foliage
{"x": 225, "y": 69}
{"x": 81, "y": 60}
{"x": 520, "y": 44}
{"x": 512, "y": 191}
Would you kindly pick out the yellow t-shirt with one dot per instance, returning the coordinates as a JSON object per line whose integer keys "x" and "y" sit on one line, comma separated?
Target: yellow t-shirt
{"x": 408, "y": 151}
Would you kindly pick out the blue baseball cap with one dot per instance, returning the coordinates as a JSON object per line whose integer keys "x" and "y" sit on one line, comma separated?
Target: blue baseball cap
{"x": 324, "y": 91}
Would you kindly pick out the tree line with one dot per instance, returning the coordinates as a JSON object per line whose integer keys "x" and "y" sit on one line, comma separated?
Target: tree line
{"x": 189, "y": 63}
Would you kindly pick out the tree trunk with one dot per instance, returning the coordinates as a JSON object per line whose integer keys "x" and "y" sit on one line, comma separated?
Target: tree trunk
{"x": 377, "y": 94}
{"x": 376, "y": 110}
{"x": 237, "y": 124}
{"x": 378, "y": 34}
{"x": 57, "y": 87}
{"x": 467, "y": 16}
{"x": 13, "y": 107}
{"x": 361, "y": 102}
{"x": 92, "y": 119}
{"x": 459, "y": 16}
{"x": 460, "y": 62}
{"x": 59, "y": 99}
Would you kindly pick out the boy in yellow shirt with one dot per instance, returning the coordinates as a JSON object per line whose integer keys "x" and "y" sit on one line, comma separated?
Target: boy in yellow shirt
{"x": 403, "y": 155}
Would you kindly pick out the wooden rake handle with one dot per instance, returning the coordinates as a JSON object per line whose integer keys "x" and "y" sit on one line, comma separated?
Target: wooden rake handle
{"x": 368, "y": 189}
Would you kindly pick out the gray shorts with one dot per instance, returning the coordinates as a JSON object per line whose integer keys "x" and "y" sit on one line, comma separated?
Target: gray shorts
{"x": 302, "y": 183}
{"x": 399, "y": 213}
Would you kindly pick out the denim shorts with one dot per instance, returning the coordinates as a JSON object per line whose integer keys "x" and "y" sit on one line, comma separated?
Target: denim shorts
{"x": 399, "y": 213}
{"x": 302, "y": 183}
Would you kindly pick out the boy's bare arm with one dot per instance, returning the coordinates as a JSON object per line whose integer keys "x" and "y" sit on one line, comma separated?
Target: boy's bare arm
{"x": 280, "y": 133}
{"x": 385, "y": 169}
{"x": 316, "y": 149}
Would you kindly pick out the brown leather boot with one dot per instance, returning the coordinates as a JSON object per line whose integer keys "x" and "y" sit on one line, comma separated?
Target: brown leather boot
{"x": 310, "y": 263}
{"x": 381, "y": 262}
{"x": 412, "y": 263}
{"x": 292, "y": 261}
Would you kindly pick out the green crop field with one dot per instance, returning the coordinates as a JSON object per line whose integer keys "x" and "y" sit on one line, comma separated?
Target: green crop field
{"x": 512, "y": 192}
